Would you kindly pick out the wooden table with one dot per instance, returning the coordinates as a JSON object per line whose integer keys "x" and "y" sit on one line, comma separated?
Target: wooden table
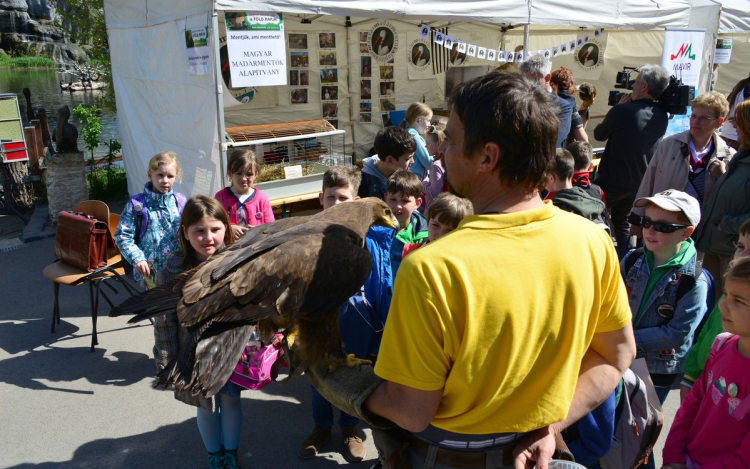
{"x": 285, "y": 204}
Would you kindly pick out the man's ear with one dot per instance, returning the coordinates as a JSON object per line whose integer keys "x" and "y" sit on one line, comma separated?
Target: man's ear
{"x": 591, "y": 166}
{"x": 356, "y": 198}
{"x": 320, "y": 197}
{"x": 548, "y": 78}
{"x": 491, "y": 154}
{"x": 688, "y": 231}
{"x": 419, "y": 202}
{"x": 719, "y": 122}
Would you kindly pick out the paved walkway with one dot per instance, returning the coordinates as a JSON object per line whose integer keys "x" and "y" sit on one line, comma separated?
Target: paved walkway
{"x": 62, "y": 406}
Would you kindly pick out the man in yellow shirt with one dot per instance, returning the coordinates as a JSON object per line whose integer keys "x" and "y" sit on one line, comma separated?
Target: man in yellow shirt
{"x": 516, "y": 324}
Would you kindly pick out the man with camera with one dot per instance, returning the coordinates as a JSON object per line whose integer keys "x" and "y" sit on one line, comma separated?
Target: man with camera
{"x": 632, "y": 129}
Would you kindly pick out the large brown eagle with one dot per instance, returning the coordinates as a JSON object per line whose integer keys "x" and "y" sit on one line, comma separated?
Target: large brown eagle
{"x": 292, "y": 274}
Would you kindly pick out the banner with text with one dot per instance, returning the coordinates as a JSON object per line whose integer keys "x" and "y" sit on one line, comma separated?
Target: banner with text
{"x": 682, "y": 55}
{"x": 256, "y": 47}
{"x": 197, "y": 51}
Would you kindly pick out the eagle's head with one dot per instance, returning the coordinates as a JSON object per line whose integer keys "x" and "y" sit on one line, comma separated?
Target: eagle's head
{"x": 361, "y": 214}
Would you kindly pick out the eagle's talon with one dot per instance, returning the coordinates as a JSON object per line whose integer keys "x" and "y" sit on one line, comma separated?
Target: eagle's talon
{"x": 349, "y": 361}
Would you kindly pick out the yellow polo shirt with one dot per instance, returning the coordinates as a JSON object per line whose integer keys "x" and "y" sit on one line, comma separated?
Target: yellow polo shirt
{"x": 499, "y": 313}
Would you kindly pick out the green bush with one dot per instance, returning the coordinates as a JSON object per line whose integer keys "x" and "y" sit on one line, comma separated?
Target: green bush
{"x": 26, "y": 62}
{"x": 106, "y": 184}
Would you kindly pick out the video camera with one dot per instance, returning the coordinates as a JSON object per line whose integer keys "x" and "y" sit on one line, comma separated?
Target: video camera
{"x": 673, "y": 100}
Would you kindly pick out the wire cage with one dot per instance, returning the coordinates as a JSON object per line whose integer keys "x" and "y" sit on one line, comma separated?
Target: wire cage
{"x": 313, "y": 144}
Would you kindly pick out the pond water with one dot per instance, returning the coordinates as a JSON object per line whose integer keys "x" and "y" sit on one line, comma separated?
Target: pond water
{"x": 45, "y": 92}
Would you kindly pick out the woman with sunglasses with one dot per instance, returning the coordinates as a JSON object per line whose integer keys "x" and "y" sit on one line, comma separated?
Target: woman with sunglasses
{"x": 727, "y": 205}
{"x": 691, "y": 161}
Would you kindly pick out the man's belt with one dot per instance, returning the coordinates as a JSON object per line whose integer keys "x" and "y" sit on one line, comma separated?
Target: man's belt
{"x": 455, "y": 458}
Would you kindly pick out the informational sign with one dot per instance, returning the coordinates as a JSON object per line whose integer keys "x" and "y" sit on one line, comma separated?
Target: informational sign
{"x": 723, "y": 51}
{"x": 198, "y": 52}
{"x": 291, "y": 172}
{"x": 589, "y": 56}
{"x": 682, "y": 55}
{"x": 257, "y": 50}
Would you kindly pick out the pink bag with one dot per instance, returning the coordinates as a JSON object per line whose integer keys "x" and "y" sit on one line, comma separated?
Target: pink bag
{"x": 258, "y": 368}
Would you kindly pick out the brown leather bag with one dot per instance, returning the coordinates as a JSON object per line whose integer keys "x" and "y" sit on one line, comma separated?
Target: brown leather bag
{"x": 82, "y": 241}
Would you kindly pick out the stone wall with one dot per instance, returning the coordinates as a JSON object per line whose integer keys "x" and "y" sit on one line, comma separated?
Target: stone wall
{"x": 66, "y": 182}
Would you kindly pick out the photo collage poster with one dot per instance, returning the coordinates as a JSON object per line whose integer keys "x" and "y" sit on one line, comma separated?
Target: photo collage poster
{"x": 299, "y": 71}
{"x": 365, "y": 80}
{"x": 329, "y": 77}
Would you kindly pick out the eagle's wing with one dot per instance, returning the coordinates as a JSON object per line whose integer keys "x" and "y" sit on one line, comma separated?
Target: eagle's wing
{"x": 311, "y": 276}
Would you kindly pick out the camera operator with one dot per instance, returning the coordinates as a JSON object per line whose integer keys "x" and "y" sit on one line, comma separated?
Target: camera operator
{"x": 632, "y": 129}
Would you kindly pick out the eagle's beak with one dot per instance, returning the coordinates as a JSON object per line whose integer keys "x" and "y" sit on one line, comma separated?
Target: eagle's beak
{"x": 391, "y": 221}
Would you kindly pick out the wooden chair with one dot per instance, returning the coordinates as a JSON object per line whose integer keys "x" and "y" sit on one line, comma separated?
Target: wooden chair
{"x": 65, "y": 274}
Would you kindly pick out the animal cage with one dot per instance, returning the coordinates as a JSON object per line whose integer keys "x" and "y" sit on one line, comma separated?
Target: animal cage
{"x": 293, "y": 155}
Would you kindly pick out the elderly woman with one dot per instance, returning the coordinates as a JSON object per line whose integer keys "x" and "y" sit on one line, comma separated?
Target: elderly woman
{"x": 727, "y": 205}
{"x": 564, "y": 84}
{"x": 691, "y": 161}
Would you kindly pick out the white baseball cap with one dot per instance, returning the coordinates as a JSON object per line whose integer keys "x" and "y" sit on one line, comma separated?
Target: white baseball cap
{"x": 673, "y": 200}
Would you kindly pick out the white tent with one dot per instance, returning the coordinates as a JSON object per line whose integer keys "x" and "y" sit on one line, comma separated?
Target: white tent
{"x": 162, "y": 107}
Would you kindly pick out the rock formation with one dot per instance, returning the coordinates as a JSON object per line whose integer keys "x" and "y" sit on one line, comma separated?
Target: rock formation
{"x": 27, "y": 26}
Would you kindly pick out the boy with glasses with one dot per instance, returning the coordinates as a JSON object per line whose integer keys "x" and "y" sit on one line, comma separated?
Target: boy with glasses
{"x": 666, "y": 286}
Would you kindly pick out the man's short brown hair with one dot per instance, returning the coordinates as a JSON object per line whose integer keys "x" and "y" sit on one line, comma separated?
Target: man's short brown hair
{"x": 404, "y": 182}
{"x": 449, "y": 209}
{"x": 519, "y": 116}
{"x": 342, "y": 176}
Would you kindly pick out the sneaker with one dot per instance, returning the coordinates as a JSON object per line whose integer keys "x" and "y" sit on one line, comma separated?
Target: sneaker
{"x": 230, "y": 460}
{"x": 314, "y": 441}
{"x": 354, "y": 449}
{"x": 216, "y": 460}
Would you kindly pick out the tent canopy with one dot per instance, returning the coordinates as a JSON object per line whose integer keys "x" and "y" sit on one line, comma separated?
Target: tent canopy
{"x": 628, "y": 14}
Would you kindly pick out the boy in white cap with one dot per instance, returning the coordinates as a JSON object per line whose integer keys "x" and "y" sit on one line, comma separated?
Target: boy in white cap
{"x": 666, "y": 286}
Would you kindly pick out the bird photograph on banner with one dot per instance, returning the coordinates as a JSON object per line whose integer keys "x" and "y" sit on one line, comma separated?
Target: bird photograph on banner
{"x": 291, "y": 275}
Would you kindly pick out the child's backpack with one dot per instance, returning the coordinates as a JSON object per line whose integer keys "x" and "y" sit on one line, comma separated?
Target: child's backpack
{"x": 638, "y": 425}
{"x": 141, "y": 220}
{"x": 257, "y": 368}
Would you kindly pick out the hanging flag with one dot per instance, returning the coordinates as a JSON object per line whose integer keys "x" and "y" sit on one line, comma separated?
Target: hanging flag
{"x": 440, "y": 54}
{"x": 439, "y": 37}
{"x": 555, "y": 51}
{"x": 448, "y": 43}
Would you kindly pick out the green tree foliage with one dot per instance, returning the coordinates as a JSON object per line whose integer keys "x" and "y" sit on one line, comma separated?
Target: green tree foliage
{"x": 84, "y": 21}
{"x": 92, "y": 129}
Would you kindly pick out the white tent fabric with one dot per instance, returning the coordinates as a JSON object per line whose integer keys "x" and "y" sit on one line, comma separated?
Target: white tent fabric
{"x": 735, "y": 16}
{"x": 162, "y": 107}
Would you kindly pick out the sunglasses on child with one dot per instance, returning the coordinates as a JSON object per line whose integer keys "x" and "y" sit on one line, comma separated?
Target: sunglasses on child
{"x": 659, "y": 226}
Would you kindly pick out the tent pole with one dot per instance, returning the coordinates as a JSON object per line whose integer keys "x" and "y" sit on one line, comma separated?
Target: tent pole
{"x": 525, "y": 41}
{"x": 219, "y": 95}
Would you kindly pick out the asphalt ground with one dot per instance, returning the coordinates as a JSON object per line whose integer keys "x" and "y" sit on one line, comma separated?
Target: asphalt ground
{"x": 62, "y": 406}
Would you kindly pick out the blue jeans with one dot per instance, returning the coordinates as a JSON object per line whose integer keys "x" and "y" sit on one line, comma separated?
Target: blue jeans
{"x": 323, "y": 412}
